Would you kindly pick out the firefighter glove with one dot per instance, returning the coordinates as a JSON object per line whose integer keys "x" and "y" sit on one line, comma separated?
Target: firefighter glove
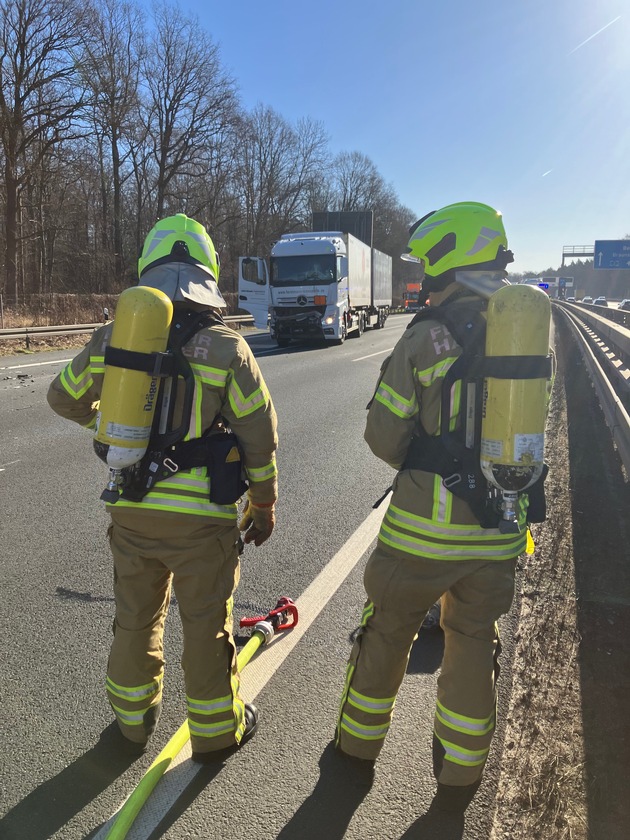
{"x": 257, "y": 522}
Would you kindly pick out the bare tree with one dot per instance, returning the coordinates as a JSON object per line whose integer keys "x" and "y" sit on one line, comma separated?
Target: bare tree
{"x": 358, "y": 185}
{"x": 190, "y": 100}
{"x": 279, "y": 168}
{"x": 111, "y": 61}
{"x": 38, "y": 95}
{"x": 357, "y": 182}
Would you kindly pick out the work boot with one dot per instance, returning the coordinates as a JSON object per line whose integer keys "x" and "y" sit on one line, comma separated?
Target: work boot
{"x": 213, "y": 756}
{"x": 455, "y": 798}
{"x": 432, "y": 618}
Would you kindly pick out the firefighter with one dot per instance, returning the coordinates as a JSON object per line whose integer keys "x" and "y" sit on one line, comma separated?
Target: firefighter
{"x": 175, "y": 534}
{"x": 431, "y": 546}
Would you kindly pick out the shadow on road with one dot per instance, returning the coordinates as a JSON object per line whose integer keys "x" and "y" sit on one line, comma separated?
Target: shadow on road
{"x": 55, "y": 802}
{"x": 600, "y": 500}
{"x": 436, "y": 825}
{"x": 328, "y": 810}
{"x": 339, "y": 793}
{"x": 261, "y": 344}
{"x": 426, "y": 652}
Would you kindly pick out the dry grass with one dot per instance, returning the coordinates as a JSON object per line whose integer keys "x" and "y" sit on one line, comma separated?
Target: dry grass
{"x": 58, "y": 310}
{"x": 61, "y": 310}
{"x": 542, "y": 789}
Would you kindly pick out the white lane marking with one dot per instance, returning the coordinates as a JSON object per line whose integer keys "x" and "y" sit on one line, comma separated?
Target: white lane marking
{"x": 378, "y": 353}
{"x": 36, "y": 364}
{"x": 257, "y": 674}
{"x": 9, "y": 464}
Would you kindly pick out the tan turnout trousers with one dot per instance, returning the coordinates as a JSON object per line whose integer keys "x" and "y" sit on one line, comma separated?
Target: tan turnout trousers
{"x": 400, "y": 590}
{"x": 201, "y": 560}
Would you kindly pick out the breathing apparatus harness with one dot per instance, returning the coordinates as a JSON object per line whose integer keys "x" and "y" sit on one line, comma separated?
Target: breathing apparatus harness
{"x": 455, "y": 454}
{"x": 168, "y": 453}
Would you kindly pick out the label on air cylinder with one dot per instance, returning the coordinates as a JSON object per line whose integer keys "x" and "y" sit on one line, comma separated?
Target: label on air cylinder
{"x": 529, "y": 449}
{"x": 491, "y": 449}
{"x": 130, "y": 433}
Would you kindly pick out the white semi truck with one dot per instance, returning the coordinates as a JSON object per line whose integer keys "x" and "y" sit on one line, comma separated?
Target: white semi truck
{"x": 325, "y": 285}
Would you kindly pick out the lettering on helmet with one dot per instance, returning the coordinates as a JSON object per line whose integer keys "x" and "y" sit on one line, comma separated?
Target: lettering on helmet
{"x": 150, "y": 395}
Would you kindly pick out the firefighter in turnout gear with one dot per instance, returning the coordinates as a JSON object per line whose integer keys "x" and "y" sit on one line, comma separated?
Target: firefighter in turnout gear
{"x": 432, "y": 546}
{"x": 182, "y": 530}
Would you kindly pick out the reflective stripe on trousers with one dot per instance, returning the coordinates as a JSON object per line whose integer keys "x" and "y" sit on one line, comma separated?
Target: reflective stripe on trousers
{"x": 401, "y": 589}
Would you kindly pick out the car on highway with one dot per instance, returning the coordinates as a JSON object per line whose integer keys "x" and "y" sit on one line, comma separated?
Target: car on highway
{"x": 571, "y": 299}
{"x": 625, "y": 304}
{"x": 600, "y": 301}
{"x": 587, "y": 299}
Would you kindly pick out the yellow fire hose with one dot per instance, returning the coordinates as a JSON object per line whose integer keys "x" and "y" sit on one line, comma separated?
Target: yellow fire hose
{"x": 283, "y": 616}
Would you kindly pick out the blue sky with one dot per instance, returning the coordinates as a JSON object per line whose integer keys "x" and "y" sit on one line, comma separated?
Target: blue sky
{"x": 522, "y": 105}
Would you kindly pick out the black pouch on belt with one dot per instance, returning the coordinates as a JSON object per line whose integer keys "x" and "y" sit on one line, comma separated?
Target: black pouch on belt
{"x": 225, "y": 468}
{"x": 219, "y": 452}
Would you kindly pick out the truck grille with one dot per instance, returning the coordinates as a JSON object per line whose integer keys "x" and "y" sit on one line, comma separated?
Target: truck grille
{"x": 291, "y": 311}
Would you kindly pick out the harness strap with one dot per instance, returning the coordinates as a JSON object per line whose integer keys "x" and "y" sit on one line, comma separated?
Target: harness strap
{"x": 155, "y": 364}
{"x": 447, "y": 454}
{"x": 518, "y": 367}
{"x": 168, "y": 452}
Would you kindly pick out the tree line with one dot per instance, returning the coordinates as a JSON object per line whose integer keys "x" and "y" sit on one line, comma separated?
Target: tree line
{"x": 111, "y": 119}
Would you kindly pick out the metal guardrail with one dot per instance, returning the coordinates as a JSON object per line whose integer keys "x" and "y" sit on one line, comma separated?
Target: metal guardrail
{"x": 607, "y": 313}
{"x": 25, "y": 333}
{"x": 605, "y": 348}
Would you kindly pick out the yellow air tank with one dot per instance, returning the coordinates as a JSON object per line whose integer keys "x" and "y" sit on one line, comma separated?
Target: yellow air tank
{"x": 129, "y": 397}
{"x": 515, "y": 410}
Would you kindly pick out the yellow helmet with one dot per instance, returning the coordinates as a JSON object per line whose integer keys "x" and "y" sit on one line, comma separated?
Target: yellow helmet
{"x": 179, "y": 258}
{"x": 465, "y": 235}
{"x": 179, "y": 239}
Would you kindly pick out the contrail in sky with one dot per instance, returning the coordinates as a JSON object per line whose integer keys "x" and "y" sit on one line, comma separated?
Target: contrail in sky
{"x": 546, "y": 173}
{"x": 595, "y": 34}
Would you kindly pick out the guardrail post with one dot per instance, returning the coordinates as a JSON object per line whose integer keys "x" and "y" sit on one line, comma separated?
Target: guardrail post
{"x": 28, "y": 341}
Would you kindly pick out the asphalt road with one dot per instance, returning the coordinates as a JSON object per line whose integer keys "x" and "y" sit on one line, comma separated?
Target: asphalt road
{"x": 59, "y": 780}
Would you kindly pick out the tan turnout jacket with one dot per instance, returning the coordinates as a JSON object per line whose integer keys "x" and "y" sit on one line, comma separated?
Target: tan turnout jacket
{"x": 227, "y": 381}
{"x": 424, "y": 518}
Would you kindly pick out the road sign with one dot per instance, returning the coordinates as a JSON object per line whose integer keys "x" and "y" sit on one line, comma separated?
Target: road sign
{"x": 612, "y": 253}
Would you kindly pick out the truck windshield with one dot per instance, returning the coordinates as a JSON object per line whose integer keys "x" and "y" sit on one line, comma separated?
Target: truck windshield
{"x": 307, "y": 270}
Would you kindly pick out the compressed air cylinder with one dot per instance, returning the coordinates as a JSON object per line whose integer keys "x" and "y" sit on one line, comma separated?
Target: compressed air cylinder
{"x": 129, "y": 397}
{"x": 514, "y": 410}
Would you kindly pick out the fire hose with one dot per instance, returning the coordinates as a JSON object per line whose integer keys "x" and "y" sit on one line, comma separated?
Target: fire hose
{"x": 282, "y": 617}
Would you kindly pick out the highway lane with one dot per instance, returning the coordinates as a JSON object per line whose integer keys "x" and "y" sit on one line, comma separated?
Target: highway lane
{"x": 56, "y": 613}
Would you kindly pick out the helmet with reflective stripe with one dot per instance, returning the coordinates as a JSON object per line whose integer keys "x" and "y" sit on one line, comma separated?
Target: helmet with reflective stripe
{"x": 179, "y": 239}
{"x": 466, "y": 235}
